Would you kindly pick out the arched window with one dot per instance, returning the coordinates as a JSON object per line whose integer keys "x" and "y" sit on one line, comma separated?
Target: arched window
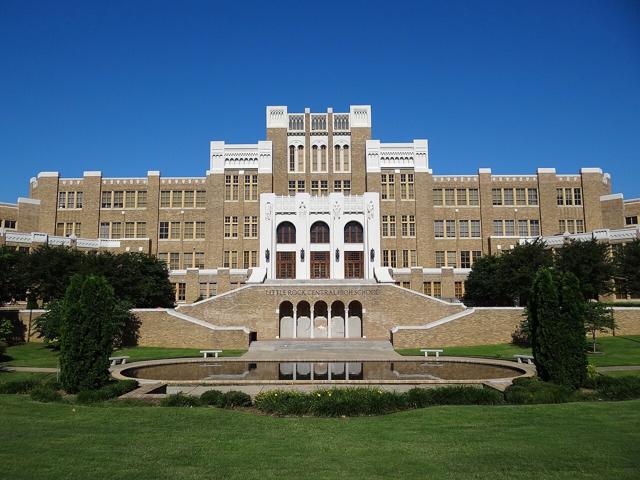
{"x": 292, "y": 158}
{"x": 353, "y": 232}
{"x": 314, "y": 159}
{"x": 319, "y": 232}
{"x": 300, "y": 159}
{"x": 336, "y": 158}
{"x": 286, "y": 233}
{"x": 323, "y": 158}
{"x": 346, "y": 159}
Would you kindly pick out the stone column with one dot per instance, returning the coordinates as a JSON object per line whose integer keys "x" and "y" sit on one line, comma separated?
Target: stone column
{"x": 346, "y": 322}
{"x": 312, "y": 319}
{"x": 328, "y": 320}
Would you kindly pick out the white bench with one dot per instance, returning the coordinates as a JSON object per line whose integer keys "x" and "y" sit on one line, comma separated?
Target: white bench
{"x": 118, "y": 360}
{"x": 524, "y": 359}
{"x": 427, "y": 351}
{"x": 206, "y": 353}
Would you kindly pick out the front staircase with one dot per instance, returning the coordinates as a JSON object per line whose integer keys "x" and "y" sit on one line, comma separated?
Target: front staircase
{"x": 321, "y": 350}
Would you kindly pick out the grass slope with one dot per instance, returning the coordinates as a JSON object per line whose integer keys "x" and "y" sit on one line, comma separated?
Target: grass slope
{"x": 570, "y": 441}
{"x": 38, "y": 355}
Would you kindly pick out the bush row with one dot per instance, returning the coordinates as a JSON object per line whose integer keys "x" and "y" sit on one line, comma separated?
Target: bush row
{"x": 109, "y": 391}
{"x": 215, "y": 398}
{"x": 49, "y": 390}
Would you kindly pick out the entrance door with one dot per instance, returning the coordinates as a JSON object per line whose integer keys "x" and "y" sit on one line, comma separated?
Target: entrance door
{"x": 320, "y": 265}
{"x": 286, "y": 265}
{"x": 353, "y": 265}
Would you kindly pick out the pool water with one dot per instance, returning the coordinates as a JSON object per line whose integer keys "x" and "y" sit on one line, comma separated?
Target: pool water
{"x": 211, "y": 371}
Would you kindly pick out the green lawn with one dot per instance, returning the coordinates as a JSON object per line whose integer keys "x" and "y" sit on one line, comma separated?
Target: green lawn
{"x": 615, "y": 351}
{"x": 38, "y": 355}
{"x": 10, "y": 376}
{"x": 568, "y": 441}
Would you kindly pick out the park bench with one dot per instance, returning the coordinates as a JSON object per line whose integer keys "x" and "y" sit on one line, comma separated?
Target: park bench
{"x": 427, "y": 351}
{"x": 118, "y": 360}
{"x": 524, "y": 359}
{"x": 207, "y": 353}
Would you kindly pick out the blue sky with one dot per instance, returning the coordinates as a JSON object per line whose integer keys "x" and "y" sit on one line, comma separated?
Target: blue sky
{"x": 125, "y": 87}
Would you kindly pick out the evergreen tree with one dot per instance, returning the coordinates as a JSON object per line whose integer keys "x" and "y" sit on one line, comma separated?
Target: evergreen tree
{"x": 556, "y": 318}
{"x": 591, "y": 263}
{"x": 86, "y": 335}
{"x": 627, "y": 265}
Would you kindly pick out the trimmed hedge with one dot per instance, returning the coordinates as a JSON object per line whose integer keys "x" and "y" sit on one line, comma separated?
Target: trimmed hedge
{"x": 19, "y": 386}
{"x": 180, "y": 400}
{"x": 109, "y": 391}
{"x": 230, "y": 399}
{"x": 426, "y": 397}
{"x": 616, "y": 388}
{"x": 45, "y": 393}
{"x": 528, "y": 391}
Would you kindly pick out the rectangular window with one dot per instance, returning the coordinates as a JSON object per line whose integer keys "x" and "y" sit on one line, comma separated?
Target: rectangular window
{"x": 388, "y": 186}
{"x": 532, "y": 196}
{"x": 187, "y": 260}
{"x": 250, "y": 226}
{"x": 71, "y": 199}
{"x": 165, "y": 199}
{"x": 315, "y": 187}
{"x": 142, "y": 199}
{"x": 568, "y": 196}
{"x": 449, "y": 197}
{"x": 199, "y": 230}
{"x": 508, "y": 196}
{"x": 251, "y": 187}
{"x": 459, "y": 290}
{"x": 498, "y": 228}
{"x": 62, "y": 199}
{"x": 475, "y": 228}
{"x": 451, "y": 228}
{"x": 461, "y": 196}
{"x": 521, "y": 196}
{"x": 523, "y": 228}
{"x": 437, "y": 197}
{"x": 406, "y": 186}
{"x": 438, "y": 228}
{"x": 59, "y": 229}
{"x": 130, "y": 230}
{"x": 579, "y": 226}
{"x": 440, "y": 260}
{"x": 201, "y": 198}
{"x": 474, "y": 198}
{"x": 633, "y": 220}
{"x": 106, "y": 200}
{"x": 535, "y": 228}
{"x": 104, "y": 230}
{"x": 189, "y": 198}
{"x": 560, "y": 196}
{"x": 188, "y": 230}
{"x": 408, "y": 225}
{"x": 437, "y": 289}
{"x": 577, "y": 196}
{"x": 451, "y": 258}
{"x": 79, "y": 201}
{"x": 463, "y": 228}
{"x": 116, "y": 230}
{"x": 509, "y": 228}
{"x": 562, "y": 226}
{"x": 174, "y": 230}
{"x": 141, "y": 229}
{"x": 496, "y": 196}
{"x": 182, "y": 291}
{"x": 176, "y": 198}
{"x": 230, "y": 227}
{"x": 465, "y": 259}
{"x": 476, "y": 254}
{"x": 389, "y": 258}
{"x": 130, "y": 199}
{"x": 118, "y": 199}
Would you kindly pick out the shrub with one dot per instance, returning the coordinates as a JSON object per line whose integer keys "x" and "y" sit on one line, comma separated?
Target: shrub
{"x": 44, "y": 393}
{"x": 617, "y": 388}
{"x": 180, "y": 400}
{"x": 212, "y": 397}
{"x": 3, "y": 348}
{"x": 234, "y": 398}
{"x": 19, "y": 386}
{"x": 425, "y": 397}
{"x": 280, "y": 402}
{"x": 526, "y": 391}
{"x": 109, "y": 391}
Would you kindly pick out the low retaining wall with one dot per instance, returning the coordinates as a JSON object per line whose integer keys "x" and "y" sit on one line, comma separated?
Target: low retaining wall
{"x": 489, "y": 325}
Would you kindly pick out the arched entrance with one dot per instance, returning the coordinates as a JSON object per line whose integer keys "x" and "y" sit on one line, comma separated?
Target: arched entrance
{"x": 303, "y": 320}
{"x": 285, "y": 313}
{"x": 336, "y": 327}
{"x": 286, "y": 261}
{"x": 320, "y": 320}
{"x": 354, "y": 320}
{"x": 320, "y": 265}
{"x": 353, "y": 259}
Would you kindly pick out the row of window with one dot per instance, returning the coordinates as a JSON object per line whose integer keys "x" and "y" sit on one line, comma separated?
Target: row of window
{"x": 447, "y": 229}
{"x": 232, "y": 187}
{"x": 183, "y": 198}
{"x": 407, "y": 225}
{"x": 181, "y": 230}
{"x": 449, "y": 258}
{"x": 66, "y": 229}
{"x": 320, "y": 187}
{"x": 123, "y": 230}
{"x": 319, "y": 159}
{"x": 570, "y": 225}
{"x": 632, "y": 220}
{"x": 178, "y": 261}
{"x": 456, "y": 197}
{"x": 69, "y": 199}
{"x": 408, "y": 258}
{"x": 507, "y": 228}
{"x": 569, "y": 196}
{"x": 249, "y": 259}
{"x": 388, "y": 186}
{"x": 319, "y": 233}
{"x": 514, "y": 196}
{"x": 250, "y": 226}
{"x": 8, "y": 224}
{"x": 122, "y": 199}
